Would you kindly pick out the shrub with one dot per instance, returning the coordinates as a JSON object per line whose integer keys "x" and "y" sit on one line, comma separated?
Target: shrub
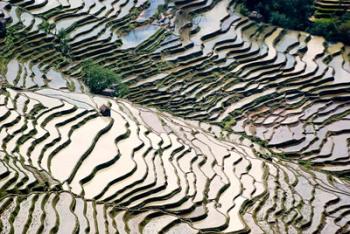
{"x": 334, "y": 29}
{"x": 46, "y": 26}
{"x": 344, "y": 31}
{"x": 98, "y": 78}
{"x": 295, "y": 14}
{"x": 323, "y": 28}
{"x": 280, "y": 19}
{"x": 242, "y": 9}
{"x": 10, "y": 38}
{"x": 63, "y": 47}
{"x": 229, "y": 123}
{"x": 286, "y": 13}
{"x": 3, "y": 65}
{"x": 344, "y": 27}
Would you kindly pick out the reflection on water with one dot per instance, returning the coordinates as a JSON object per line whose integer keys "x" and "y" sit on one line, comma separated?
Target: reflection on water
{"x": 151, "y": 10}
{"x": 137, "y": 36}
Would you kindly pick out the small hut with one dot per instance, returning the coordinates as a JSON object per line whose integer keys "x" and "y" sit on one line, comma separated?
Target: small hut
{"x": 105, "y": 110}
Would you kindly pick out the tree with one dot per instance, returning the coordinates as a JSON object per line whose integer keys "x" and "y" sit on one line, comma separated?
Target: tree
{"x": 286, "y": 13}
{"x": 63, "y": 39}
{"x": 295, "y": 14}
{"x": 98, "y": 78}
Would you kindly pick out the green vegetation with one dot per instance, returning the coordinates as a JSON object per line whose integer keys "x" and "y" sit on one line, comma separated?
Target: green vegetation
{"x": 8, "y": 46}
{"x": 296, "y": 14}
{"x": 306, "y": 163}
{"x": 63, "y": 46}
{"x": 10, "y": 39}
{"x": 160, "y": 9}
{"x": 336, "y": 28}
{"x": 3, "y": 65}
{"x": 71, "y": 86}
{"x": 285, "y": 13}
{"x": 228, "y": 123}
{"x": 46, "y": 26}
{"x": 98, "y": 78}
{"x": 243, "y": 9}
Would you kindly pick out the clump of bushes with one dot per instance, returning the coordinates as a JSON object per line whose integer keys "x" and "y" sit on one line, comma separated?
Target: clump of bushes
{"x": 295, "y": 14}
{"x": 63, "y": 39}
{"x": 6, "y": 52}
{"x": 10, "y": 38}
{"x": 335, "y": 28}
{"x": 229, "y": 123}
{"x": 286, "y": 13}
{"x": 98, "y": 79}
{"x": 46, "y": 26}
{"x": 3, "y": 65}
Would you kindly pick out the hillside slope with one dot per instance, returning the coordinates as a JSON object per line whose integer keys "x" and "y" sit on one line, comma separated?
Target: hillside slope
{"x": 150, "y": 172}
{"x": 229, "y": 125}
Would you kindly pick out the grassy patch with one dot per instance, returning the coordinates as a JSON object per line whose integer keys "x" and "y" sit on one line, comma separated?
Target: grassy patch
{"x": 228, "y": 123}
{"x": 306, "y": 163}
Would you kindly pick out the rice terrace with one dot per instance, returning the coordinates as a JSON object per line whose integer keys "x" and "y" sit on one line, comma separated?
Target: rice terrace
{"x": 174, "y": 116}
